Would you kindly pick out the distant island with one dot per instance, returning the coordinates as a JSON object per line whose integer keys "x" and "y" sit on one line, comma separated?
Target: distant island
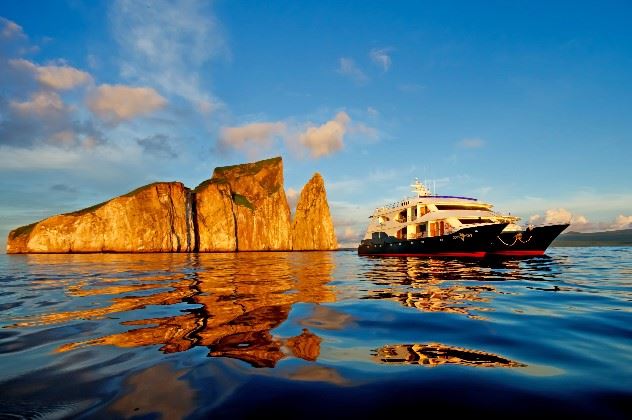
{"x": 240, "y": 208}
{"x": 610, "y": 238}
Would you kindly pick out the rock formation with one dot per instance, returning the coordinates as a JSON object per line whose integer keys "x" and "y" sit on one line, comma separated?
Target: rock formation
{"x": 241, "y": 208}
{"x": 214, "y": 214}
{"x": 261, "y": 211}
{"x": 153, "y": 218}
{"x": 313, "y": 228}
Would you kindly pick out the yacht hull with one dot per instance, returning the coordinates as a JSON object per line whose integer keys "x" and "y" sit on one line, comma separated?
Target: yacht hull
{"x": 470, "y": 242}
{"x": 528, "y": 242}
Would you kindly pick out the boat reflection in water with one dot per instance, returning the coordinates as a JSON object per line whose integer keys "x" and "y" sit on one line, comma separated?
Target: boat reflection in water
{"x": 437, "y": 285}
{"x": 435, "y": 354}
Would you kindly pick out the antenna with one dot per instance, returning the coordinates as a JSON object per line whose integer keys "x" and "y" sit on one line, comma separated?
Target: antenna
{"x": 434, "y": 187}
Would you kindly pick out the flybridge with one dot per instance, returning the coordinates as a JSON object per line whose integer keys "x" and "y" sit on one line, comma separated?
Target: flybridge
{"x": 407, "y": 201}
{"x": 421, "y": 191}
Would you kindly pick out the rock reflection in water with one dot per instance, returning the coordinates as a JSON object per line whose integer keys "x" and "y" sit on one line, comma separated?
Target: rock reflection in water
{"x": 240, "y": 300}
{"x": 434, "y": 354}
{"x": 156, "y": 390}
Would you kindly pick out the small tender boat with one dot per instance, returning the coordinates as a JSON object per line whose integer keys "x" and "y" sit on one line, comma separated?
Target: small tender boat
{"x": 444, "y": 225}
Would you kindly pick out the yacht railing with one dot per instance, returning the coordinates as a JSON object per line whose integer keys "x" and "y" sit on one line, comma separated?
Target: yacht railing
{"x": 406, "y": 201}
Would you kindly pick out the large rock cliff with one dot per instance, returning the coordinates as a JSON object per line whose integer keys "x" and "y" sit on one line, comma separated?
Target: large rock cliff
{"x": 261, "y": 210}
{"x": 153, "y": 218}
{"x": 241, "y": 208}
{"x": 313, "y": 228}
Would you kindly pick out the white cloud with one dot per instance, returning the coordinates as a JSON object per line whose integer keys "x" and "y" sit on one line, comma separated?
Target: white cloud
{"x": 591, "y": 203}
{"x": 372, "y": 111}
{"x": 33, "y": 112}
{"x": 44, "y": 157}
{"x": 116, "y": 103}
{"x": 64, "y": 138}
{"x": 55, "y": 77}
{"x": 360, "y": 129}
{"x": 347, "y": 67}
{"x": 205, "y": 106}
{"x": 327, "y": 138}
{"x": 166, "y": 44}
{"x": 622, "y": 222}
{"x": 471, "y": 143}
{"x": 312, "y": 140}
{"x": 535, "y": 218}
{"x": 345, "y": 186}
{"x": 350, "y": 221}
{"x": 349, "y": 233}
{"x": 292, "y": 197}
{"x": 347, "y": 236}
{"x": 253, "y": 137}
{"x": 10, "y": 29}
{"x": 580, "y": 223}
{"x": 41, "y": 104}
{"x": 381, "y": 58}
{"x": 560, "y": 215}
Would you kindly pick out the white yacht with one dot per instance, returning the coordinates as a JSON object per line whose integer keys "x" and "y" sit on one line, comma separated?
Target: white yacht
{"x": 445, "y": 225}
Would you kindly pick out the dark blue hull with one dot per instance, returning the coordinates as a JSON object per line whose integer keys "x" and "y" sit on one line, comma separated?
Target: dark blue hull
{"x": 468, "y": 242}
{"x": 528, "y": 242}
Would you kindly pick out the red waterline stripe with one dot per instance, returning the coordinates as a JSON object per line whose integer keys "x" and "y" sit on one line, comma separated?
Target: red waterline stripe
{"x": 434, "y": 254}
{"x": 518, "y": 253}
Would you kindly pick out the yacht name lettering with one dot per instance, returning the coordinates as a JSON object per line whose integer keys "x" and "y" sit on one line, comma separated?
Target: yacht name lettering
{"x": 462, "y": 236}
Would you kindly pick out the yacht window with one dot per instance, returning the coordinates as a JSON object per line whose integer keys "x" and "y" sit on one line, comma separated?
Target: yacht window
{"x": 477, "y": 220}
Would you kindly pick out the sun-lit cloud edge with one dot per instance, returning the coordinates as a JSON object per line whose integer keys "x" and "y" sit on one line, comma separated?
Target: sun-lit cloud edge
{"x": 302, "y": 139}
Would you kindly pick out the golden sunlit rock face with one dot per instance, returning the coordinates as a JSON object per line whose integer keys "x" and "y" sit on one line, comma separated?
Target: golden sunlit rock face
{"x": 313, "y": 228}
{"x": 241, "y": 208}
{"x": 262, "y": 213}
{"x": 215, "y": 218}
{"x": 153, "y": 218}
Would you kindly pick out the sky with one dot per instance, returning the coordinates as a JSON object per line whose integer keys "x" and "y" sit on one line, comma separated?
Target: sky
{"x": 523, "y": 104}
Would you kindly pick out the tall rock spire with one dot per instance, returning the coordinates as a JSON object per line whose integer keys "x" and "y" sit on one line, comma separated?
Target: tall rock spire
{"x": 312, "y": 228}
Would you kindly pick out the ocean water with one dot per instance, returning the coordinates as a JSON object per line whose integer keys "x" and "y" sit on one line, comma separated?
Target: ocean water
{"x": 314, "y": 334}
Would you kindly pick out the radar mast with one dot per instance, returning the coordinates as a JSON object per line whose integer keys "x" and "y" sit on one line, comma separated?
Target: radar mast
{"x": 420, "y": 189}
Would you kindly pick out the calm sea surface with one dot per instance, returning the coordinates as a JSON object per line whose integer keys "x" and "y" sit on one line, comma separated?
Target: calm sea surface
{"x": 315, "y": 334}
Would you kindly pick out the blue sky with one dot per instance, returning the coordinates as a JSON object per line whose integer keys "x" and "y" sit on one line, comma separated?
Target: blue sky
{"x": 522, "y": 104}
